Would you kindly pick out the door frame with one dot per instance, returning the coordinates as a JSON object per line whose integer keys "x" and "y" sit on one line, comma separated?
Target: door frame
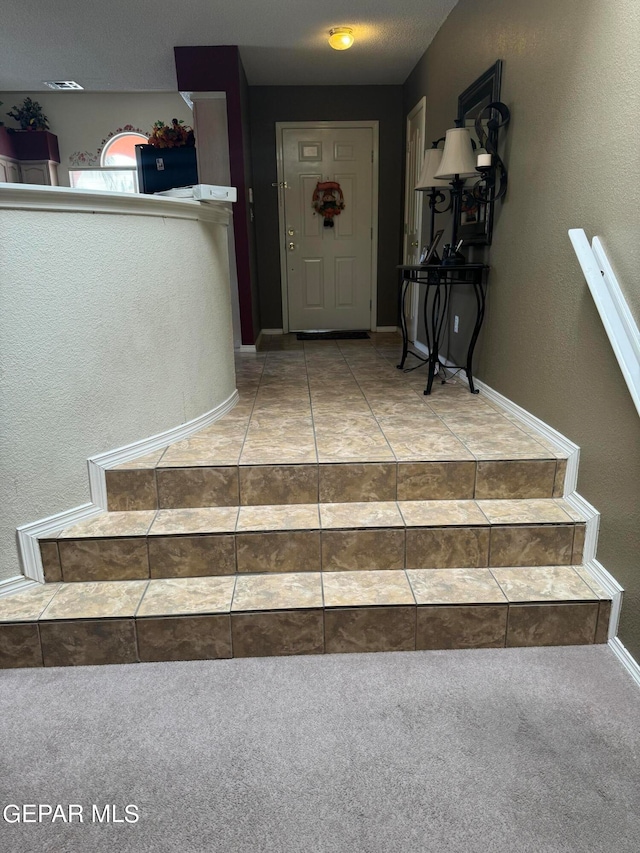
{"x": 341, "y": 125}
{"x": 408, "y": 191}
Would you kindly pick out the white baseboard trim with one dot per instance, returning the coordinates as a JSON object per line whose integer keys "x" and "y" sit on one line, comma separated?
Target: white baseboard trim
{"x": 28, "y": 534}
{"x": 247, "y": 348}
{"x": 561, "y": 442}
{"x": 582, "y": 506}
{"x": 592, "y": 516}
{"x": 420, "y": 347}
{"x": 386, "y": 328}
{"x": 628, "y": 662}
{"x": 612, "y": 588}
{"x": 272, "y": 332}
{"x": 102, "y": 461}
{"x": 18, "y": 583}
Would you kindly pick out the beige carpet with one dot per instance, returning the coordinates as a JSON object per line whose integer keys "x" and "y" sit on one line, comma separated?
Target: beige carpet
{"x": 505, "y": 751}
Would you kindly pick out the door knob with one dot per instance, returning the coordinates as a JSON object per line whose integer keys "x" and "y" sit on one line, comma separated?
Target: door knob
{"x": 292, "y": 246}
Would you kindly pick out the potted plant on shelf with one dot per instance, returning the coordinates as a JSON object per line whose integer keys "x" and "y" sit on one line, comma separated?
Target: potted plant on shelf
{"x": 33, "y": 141}
{"x": 169, "y": 158}
{"x": 174, "y": 135}
{"x": 30, "y": 115}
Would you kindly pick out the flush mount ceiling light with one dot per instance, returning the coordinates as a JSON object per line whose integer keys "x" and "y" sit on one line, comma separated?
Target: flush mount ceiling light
{"x": 63, "y": 84}
{"x": 341, "y": 38}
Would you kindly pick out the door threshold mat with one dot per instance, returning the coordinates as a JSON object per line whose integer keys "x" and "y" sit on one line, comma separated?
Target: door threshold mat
{"x": 332, "y": 336}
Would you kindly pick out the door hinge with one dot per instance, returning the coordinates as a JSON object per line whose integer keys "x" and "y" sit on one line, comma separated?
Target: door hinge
{"x": 372, "y": 156}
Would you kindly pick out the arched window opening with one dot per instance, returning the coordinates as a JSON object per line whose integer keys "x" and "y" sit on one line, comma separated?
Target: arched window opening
{"x": 117, "y": 171}
{"x": 120, "y": 150}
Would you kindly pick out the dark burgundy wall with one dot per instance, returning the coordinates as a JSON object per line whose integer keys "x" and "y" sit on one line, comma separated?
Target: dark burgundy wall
{"x": 29, "y": 144}
{"x": 248, "y": 172}
{"x": 6, "y": 143}
{"x": 219, "y": 69}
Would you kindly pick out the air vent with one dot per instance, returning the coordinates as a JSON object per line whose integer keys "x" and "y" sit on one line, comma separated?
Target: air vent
{"x": 63, "y": 84}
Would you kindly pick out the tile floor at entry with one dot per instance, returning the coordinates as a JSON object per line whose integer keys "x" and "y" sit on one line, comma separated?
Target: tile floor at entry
{"x": 336, "y": 421}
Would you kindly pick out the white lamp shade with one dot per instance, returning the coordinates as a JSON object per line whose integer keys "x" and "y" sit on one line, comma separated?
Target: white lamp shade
{"x": 431, "y": 164}
{"x": 458, "y": 157}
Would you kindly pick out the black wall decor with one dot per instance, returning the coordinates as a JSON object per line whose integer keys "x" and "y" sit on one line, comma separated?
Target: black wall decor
{"x": 476, "y": 219}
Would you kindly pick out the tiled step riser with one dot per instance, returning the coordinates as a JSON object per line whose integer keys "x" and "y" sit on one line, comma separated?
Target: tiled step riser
{"x": 130, "y": 558}
{"x": 297, "y": 632}
{"x": 175, "y": 488}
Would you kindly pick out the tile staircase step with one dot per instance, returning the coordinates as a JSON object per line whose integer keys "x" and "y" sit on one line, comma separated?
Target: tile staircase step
{"x": 385, "y": 535}
{"x": 152, "y": 483}
{"x": 167, "y": 619}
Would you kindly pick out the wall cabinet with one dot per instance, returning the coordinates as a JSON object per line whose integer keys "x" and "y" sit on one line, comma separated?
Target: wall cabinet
{"x": 9, "y": 170}
{"x": 42, "y": 172}
{"x": 29, "y": 157}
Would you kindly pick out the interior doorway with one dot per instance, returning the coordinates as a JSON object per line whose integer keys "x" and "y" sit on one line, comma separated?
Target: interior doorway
{"x": 328, "y": 272}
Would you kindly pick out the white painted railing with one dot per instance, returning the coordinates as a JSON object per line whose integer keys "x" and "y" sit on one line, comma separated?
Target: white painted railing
{"x": 614, "y": 312}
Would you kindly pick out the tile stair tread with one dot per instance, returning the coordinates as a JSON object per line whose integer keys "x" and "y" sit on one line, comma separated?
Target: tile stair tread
{"x": 324, "y": 516}
{"x": 228, "y": 460}
{"x": 300, "y": 590}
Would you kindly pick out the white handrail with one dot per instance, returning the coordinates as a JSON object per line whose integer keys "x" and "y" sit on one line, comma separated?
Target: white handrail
{"x": 614, "y": 312}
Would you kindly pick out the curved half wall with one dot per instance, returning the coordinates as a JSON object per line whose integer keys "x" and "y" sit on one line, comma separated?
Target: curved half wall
{"x": 115, "y": 326}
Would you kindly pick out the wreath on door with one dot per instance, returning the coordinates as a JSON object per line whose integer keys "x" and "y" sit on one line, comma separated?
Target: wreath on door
{"x": 328, "y": 201}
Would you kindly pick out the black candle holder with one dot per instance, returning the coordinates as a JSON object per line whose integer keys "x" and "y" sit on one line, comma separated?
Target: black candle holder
{"x": 492, "y": 186}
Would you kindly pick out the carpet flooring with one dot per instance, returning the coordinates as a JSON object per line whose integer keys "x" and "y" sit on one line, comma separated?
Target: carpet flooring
{"x": 494, "y": 751}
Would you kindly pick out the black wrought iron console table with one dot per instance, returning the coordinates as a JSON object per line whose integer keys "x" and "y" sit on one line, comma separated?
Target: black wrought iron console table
{"x": 440, "y": 279}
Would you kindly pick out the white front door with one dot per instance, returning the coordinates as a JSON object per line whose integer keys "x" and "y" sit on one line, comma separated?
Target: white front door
{"x": 413, "y": 203}
{"x": 328, "y": 269}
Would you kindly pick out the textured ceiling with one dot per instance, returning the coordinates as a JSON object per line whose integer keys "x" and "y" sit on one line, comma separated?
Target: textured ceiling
{"x": 124, "y": 45}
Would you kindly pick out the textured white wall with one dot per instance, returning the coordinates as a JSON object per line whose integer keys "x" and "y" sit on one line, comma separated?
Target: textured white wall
{"x": 113, "y": 328}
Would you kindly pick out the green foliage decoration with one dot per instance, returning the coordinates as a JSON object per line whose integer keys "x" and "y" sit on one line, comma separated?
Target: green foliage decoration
{"x": 29, "y": 115}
